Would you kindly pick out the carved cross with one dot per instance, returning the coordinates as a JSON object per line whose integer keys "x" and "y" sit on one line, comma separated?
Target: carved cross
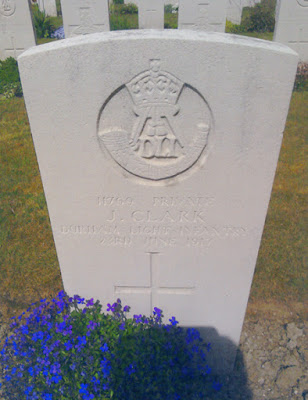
{"x": 86, "y": 23}
{"x": 154, "y": 288}
{"x": 14, "y": 50}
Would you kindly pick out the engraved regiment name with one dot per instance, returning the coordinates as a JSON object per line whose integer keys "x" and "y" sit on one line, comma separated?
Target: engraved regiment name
{"x": 155, "y": 134}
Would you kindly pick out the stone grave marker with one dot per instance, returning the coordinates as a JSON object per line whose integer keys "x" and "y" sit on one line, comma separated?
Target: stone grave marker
{"x": 81, "y": 17}
{"x": 158, "y": 173}
{"x": 49, "y": 6}
{"x": 151, "y": 14}
{"x": 292, "y": 26}
{"x": 208, "y": 15}
{"x": 16, "y": 29}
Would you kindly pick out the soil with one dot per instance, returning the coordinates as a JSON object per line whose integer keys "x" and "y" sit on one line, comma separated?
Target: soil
{"x": 272, "y": 360}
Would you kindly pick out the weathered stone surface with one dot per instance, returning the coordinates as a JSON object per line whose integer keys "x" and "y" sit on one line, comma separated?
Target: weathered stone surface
{"x": 158, "y": 173}
{"x": 151, "y": 14}
{"x": 81, "y": 17}
{"x": 292, "y": 26}
{"x": 207, "y": 15}
{"x": 49, "y": 6}
{"x": 16, "y": 29}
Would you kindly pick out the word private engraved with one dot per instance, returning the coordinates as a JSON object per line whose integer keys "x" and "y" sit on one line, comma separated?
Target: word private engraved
{"x": 7, "y": 7}
{"x": 161, "y": 126}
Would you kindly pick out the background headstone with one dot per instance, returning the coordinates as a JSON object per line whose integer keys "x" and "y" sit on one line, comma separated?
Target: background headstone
{"x": 81, "y": 17}
{"x": 49, "y": 6}
{"x": 292, "y": 26}
{"x": 209, "y": 15}
{"x": 165, "y": 167}
{"x": 151, "y": 14}
{"x": 16, "y": 28}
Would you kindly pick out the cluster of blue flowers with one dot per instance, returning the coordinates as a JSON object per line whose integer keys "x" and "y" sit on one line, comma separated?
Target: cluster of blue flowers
{"x": 68, "y": 348}
{"x": 58, "y": 33}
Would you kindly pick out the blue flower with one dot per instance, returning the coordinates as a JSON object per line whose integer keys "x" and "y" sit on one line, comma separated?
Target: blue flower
{"x": 138, "y": 318}
{"x": 111, "y": 307}
{"x": 104, "y": 348}
{"x": 90, "y": 303}
{"x": 173, "y": 321}
{"x": 91, "y": 325}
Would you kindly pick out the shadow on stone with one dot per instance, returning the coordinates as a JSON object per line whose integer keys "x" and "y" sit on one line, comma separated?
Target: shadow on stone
{"x": 227, "y": 363}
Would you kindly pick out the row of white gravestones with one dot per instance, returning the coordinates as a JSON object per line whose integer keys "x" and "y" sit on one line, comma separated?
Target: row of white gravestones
{"x": 166, "y": 167}
{"x": 16, "y": 28}
{"x": 292, "y": 26}
{"x": 89, "y": 16}
{"x": 235, "y": 9}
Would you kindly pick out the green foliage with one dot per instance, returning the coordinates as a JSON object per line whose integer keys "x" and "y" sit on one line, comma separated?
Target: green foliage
{"x": 301, "y": 81}
{"x": 168, "y": 8}
{"x": 171, "y": 21}
{"x": 43, "y": 25}
{"x": 123, "y": 16}
{"x": 129, "y": 8}
{"x": 233, "y": 28}
{"x": 10, "y": 85}
{"x": 260, "y": 18}
{"x": 121, "y": 22}
{"x": 118, "y": 1}
{"x": 123, "y": 9}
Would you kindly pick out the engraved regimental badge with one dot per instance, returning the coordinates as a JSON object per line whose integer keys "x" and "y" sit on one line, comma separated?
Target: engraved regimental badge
{"x": 7, "y": 7}
{"x": 303, "y": 3}
{"x": 155, "y": 127}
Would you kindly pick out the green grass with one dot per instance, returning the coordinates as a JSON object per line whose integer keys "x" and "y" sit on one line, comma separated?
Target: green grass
{"x": 281, "y": 270}
{"x": 29, "y": 267}
{"x": 259, "y": 35}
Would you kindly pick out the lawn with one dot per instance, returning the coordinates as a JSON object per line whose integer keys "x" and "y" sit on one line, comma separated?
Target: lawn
{"x": 29, "y": 266}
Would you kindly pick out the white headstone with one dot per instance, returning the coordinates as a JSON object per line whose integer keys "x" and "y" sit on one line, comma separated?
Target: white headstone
{"x": 48, "y": 6}
{"x": 208, "y": 15}
{"x": 16, "y": 29}
{"x": 158, "y": 164}
{"x": 292, "y": 26}
{"x": 81, "y": 17}
{"x": 151, "y": 14}
{"x": 235, "y": 9}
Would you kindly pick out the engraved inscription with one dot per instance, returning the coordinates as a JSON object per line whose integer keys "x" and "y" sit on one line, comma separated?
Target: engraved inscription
{"x": 171, "y": 221}
{"x": 154, "y": 288}
{"x": 7, "y": 7}
{"x": 303, "y": 3}
{"x": 155, "y": 135}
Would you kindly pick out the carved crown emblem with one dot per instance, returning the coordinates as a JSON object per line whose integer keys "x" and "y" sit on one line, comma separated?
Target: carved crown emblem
{"x": 161, "y": 126}
{"x": 7, "y": 7}
{"x": 154, "y": 86}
